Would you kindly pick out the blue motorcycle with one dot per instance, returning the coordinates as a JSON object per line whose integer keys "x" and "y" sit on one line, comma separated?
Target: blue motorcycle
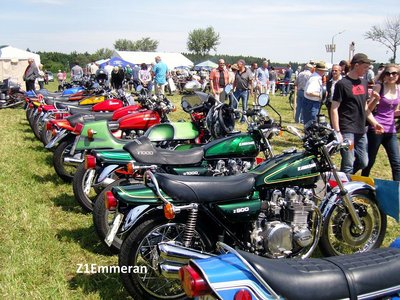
{"x": 242, "y": 275}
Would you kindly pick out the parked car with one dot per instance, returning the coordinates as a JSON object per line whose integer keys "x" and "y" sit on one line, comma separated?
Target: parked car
{"x": 50, "y": 76}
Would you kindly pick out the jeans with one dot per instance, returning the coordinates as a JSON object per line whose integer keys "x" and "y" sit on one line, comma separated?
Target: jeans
{"x": 356, "y": 159}
{"x": 310, "y": 110}
{"x": 286, "y": 88}
{"x": 389, "y": 142}
{"x": 298, "y": 117}
{"x": 241, "y": 94}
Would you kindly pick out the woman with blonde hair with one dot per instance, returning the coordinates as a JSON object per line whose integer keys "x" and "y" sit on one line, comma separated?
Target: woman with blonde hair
{"x": 384, "y": 104}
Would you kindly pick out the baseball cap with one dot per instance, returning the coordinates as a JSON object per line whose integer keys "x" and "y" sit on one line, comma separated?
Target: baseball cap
{"x": 361, "y": 58}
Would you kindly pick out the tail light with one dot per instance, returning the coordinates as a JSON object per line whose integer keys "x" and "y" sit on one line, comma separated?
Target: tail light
{"x": 31, "y": 105}
{"x": 242, "y": 295}
{"x": 49, "y": 126}
{"x": 90, "y": 162}
{"x": 40, "y": 109}
{"x": 77, "y": 129}
{"x": 192, "y": 282}
{"x": 110, "y": 201}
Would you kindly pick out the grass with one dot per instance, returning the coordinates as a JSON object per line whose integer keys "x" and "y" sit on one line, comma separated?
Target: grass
{"x": 45, "y": 235}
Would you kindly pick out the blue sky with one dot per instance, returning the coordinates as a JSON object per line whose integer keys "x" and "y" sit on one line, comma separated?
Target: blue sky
{"x": 279, "y": 30}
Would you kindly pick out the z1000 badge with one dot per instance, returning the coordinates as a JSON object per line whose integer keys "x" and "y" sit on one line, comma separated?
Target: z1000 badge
{"x": 241, "y": 210}
{"x": 145, "y": 152}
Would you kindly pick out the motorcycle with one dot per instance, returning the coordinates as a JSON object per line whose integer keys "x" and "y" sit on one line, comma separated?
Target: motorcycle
{"x": 106, "y": 166}
{"x": 236, "y": 274}
{"x": 103, "y": 134}
{"x": 11, "y": 94}
{"x": 270, "y": 211}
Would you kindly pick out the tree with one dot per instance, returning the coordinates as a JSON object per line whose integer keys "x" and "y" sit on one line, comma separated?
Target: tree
{"x": 102, "y": 53}
{"x": 388, "y": 35}
{"x": 144, "y": 44}
{"x": 202, "y": 41}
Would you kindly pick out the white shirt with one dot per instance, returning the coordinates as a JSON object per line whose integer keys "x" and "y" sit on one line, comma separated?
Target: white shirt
{"x": 314, "y": 85}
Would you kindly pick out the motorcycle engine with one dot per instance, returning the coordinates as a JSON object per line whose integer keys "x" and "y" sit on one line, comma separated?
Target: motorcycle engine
{"x": 282, "y": 227}
{"x": 231, "y": 167}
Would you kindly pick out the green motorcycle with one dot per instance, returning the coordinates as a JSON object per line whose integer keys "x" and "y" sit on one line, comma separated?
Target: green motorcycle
{"x": 271, "y": 211}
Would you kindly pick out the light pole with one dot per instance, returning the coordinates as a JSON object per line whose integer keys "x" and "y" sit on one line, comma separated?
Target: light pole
{"x": 333, "y": 47}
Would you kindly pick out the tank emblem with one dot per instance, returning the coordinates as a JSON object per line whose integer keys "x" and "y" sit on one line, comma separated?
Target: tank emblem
{"x": 305, "y": 167}
{"x": 246, "y": 144}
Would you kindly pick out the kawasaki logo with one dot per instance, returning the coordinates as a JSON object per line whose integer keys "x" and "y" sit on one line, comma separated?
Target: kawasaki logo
{"x": 305, "y": 167}
{"x": 113, "y": 103}
{"x": 246, "y": 144}
{"x": 145, "y": 152}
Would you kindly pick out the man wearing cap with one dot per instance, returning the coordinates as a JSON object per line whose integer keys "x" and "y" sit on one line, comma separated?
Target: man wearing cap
{"x": 243, "y": 84}
{"x": 313, "y": 93}
{"x": 299, "y": 85}
{"x": 349, "y": 112}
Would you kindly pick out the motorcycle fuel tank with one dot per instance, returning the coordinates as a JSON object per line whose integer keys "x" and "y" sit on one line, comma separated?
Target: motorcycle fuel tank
{"x": 237, "y": 145}
{"x": 126, "y": 110}
{"x": 108, "y": 105}
{"x": 297, "y": 168}
{"x": 139, "y": 120}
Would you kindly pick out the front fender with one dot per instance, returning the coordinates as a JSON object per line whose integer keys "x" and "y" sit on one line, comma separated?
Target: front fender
{"x": 334, "y": 196}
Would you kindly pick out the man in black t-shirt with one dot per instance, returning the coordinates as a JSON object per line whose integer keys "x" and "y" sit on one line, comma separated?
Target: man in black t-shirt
{"x": 349, "y": 113}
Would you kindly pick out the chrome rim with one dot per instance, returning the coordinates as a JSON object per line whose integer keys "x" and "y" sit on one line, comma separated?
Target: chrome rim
{"x": 344, "y": 238}
{"x": 147, "y": 255}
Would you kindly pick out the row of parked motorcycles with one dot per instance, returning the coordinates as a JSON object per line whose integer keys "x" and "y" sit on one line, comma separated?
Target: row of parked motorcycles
{"x": 209, "y": 212}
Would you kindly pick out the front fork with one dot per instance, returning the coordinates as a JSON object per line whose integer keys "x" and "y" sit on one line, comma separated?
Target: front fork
{"x": 343, "y": 192}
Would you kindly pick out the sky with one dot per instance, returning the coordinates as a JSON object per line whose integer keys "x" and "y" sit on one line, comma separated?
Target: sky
{"x": 281, "y": 31}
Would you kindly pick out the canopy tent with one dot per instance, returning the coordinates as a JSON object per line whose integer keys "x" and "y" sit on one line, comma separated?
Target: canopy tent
{"x": 172, "y": 60}
{"x": 13, "y": 62}
{"x": 116, "y": 61}
{"x": 208, "y": 64}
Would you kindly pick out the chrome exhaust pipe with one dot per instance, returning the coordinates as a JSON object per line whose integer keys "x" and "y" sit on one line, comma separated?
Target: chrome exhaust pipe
{"x": 180, "y": 254}
{"x": 170, "y": 270}
{"x": 73, "y": 161}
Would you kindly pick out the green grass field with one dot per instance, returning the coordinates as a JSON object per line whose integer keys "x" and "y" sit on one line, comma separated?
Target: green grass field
{"x": 45, "y": 235}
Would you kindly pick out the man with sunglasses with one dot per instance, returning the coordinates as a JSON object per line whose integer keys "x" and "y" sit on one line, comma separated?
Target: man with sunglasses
{"x": 349, "y": 113}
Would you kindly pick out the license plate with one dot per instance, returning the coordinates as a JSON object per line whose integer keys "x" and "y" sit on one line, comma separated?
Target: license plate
{"x": 112, "y": 232}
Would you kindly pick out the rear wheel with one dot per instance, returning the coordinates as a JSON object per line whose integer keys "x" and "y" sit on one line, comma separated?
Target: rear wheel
{"x": 37, "y": 126}
{"x": 82, "y": 185}
{"x": 66, "y": 171}
{"x": 340, "y": 236}
{"x": 45, "y": 136}
{"x": 140, "y": 250}
{"x": 103, "y": 218}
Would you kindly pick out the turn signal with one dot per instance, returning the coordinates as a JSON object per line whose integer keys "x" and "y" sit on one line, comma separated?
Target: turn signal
{"x": 90, "y": 162}
{"x": 242, "y": 295}
{"x": 192, "y": 282}
{"x": 129, "y": 168}
{"x": 48, "y": 126}
{"x": 280, "y": 133}
{"x": 110, "y": 201}
{"x": 77, "y": 129}
{"x": 169, "y": 212}
{"x": 90, "y": 134}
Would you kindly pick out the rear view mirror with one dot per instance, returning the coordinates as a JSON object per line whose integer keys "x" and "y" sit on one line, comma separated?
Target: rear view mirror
{"x": 263, "y": 100}
{"x": 228, "y": 88}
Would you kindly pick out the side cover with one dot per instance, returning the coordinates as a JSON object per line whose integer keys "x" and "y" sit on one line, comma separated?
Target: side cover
{"x": 137, "y": 194}
{"x": 172, "y": 131}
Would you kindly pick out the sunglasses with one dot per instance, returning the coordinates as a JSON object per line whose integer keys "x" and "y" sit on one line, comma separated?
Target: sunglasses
{"x": 391, "y": 73}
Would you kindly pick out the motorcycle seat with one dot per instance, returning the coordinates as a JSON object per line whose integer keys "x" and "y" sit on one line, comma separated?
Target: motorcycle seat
{"x": 339, "y": 277}
{"x": 206, "y": 189}
{"x": 80, "y": 118}
{"x": 143, "y": 151}
{"x": 63, "y": 105}
{"x": 78, "y": 110}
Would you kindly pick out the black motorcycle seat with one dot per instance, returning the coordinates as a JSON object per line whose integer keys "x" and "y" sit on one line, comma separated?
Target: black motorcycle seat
{"x": 80, "y": 118}
{"x": 143, "y": 151}
{"x": 59, "y": 101}
{"x": 64, "y": 105}
{"x": 337, "y": 277}
{"x": 206, "y": 189}
{"x": 78, "y": 110}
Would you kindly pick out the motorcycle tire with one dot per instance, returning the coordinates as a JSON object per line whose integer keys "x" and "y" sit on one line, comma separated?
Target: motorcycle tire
{"x": 139, "y": 249}
{"x": 339, "y": 237}
{"x": 65, "y": 173}
{"x": 37, "y": 126}
{"x": 31, "y": 117}
{"x": 102, "y": 217}
{"x": 79, "y": 184}
{"x": 45, "y": 136}
{"x": 291, "y": 100}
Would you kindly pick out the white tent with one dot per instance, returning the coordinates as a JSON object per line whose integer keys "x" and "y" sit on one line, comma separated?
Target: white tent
{"x": 172, "y": 60}
{"x": 207, "y": 64}
{"x": 13, "y": 62}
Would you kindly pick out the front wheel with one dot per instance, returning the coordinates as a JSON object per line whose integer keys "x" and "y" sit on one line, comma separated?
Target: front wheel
{"x": 340, "y": 236}
{"x": 140, "y": 251}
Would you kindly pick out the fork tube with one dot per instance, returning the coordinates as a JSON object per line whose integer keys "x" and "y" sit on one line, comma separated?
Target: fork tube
{"x": 343, "y": 192}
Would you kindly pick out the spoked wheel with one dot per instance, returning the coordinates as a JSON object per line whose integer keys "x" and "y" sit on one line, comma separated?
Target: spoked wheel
{"x": 140, "y": 250}
{"x": 37, "y": 126}
{"x": 45, "y": 136}
{"x": 340, "y": 235}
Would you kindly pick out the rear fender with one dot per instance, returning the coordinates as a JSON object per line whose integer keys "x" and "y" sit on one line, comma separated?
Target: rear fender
{"x": 61, "y": 136}
{"x": 137, "y": 214}
{"x": 106, "y": 172}
{"x": 334, "y": 196}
